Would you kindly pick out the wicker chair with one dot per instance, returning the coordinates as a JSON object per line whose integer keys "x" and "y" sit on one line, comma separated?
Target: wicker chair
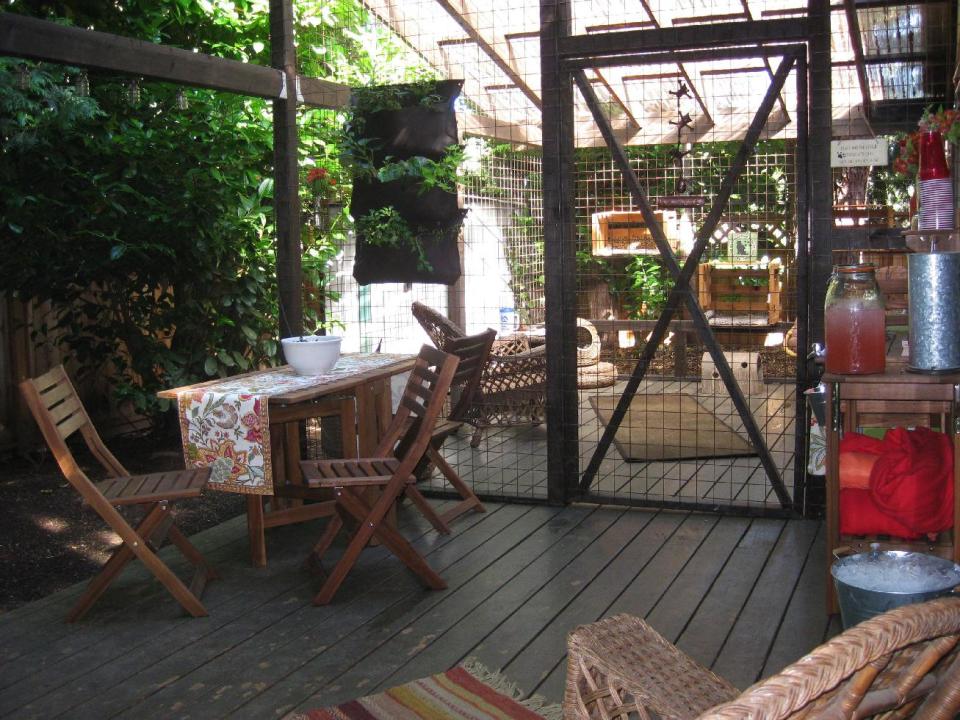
{"x": 513, "y": 386}
{"x": 900, "y": 664}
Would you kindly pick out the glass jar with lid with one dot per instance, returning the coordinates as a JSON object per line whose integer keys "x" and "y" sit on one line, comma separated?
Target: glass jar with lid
{"x": 854, "y": 321}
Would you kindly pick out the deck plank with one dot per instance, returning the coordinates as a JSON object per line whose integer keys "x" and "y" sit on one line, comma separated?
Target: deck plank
{"x": 345, "y": 670}
{"x": 296, "y": 631}
{"x": 708, "y": 629}
{"x": 105, "y": 661}
{"x": 743, "y": 655}
{"x": 736, "y": 593}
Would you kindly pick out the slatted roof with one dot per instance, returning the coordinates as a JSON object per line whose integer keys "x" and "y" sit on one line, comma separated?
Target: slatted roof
{"x": 888, "y": 60}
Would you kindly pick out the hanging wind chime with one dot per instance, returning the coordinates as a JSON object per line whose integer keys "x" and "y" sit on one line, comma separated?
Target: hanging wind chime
{"x": 681, "y": 198}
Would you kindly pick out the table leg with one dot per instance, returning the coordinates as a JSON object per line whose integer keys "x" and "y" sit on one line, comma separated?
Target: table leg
{"x": 255, "y": 527}
{"x": 368, "y": 432}
{"x": 291, "y": 455}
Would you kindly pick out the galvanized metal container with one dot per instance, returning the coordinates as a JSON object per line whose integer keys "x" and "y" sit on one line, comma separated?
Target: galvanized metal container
{"x": 871, "y": 583}
{"x": 934, "y": 288}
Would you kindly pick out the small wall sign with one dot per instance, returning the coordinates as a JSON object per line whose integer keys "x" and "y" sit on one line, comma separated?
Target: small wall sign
{"x": 860, "y": 152}
{"x": 668, "y": 202}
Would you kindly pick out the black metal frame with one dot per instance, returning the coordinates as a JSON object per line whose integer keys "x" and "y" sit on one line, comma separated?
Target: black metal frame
{"x": 563, "y": 59}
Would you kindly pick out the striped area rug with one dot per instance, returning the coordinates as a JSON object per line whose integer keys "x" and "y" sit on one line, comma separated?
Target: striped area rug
{"x": 466, "y": 692}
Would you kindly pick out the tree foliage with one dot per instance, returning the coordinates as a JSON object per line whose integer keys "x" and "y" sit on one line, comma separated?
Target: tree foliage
{"x": 148, "y": 227}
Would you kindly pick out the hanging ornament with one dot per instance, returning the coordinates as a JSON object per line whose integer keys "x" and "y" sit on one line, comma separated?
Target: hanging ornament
{"x": 82, "y": 84}
{"x": 181, "y": 100}
{"x": 23, "y": 77}
{"x": 681, "y": 197}
{"x": 133, "y": 91}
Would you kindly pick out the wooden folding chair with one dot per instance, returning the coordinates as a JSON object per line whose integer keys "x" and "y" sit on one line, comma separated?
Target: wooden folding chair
{"x": 420, "y": 406}
{"x": 473, "y": 352}
{"x": 58, "y": 411}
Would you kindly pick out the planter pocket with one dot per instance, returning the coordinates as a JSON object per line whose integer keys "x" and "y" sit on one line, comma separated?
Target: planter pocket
{"x": 382, "y": 264}
{"x": 421, "y": 129}
{"x": 431, "y": 206}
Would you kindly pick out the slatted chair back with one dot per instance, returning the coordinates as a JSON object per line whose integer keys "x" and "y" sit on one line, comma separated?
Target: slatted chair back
{"x": 59, "y": 413}
{"x": 421, "y": 405}
{"x": 473, "y": 351}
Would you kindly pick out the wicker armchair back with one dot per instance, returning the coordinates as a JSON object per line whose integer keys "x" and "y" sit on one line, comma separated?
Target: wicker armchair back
{"x": 513, "y": 386}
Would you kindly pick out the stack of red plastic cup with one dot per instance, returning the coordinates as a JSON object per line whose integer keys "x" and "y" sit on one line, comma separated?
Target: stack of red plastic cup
{"x": 936, "y": 190}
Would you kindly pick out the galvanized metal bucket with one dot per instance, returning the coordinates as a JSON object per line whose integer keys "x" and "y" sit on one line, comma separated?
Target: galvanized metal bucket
{"x": 859, "y": 602}
{"x": 934, "y": 289}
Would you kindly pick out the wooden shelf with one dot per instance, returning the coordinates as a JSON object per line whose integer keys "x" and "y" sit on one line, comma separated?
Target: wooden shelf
{"x": 894, "y": 397}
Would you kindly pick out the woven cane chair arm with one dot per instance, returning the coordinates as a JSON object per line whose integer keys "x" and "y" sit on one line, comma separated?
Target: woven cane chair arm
{"x": 905, "y": 652}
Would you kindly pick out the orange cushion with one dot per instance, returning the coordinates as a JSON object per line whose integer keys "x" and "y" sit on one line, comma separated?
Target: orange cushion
{"x": 855, "y": 469}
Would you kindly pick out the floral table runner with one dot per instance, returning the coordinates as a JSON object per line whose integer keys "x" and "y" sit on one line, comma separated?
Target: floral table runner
{"x": 226, "y": 426}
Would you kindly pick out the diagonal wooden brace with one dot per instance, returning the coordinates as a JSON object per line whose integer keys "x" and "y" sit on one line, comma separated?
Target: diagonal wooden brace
{"x": 681, "y": 291}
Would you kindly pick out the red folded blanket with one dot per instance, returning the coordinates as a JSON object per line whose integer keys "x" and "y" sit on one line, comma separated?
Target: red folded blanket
{"x": 911, "y": 484}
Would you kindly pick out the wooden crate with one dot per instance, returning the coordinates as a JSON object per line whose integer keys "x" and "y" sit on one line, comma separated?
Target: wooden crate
{"x": 733, "y": 291}
{"x": 621, "y": 232}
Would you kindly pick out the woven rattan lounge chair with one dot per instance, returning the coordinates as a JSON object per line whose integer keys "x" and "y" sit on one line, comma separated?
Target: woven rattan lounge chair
{"x": 513, "y": 386}
{"x": 900, "y": 664}
{"x": 58, "y": 411}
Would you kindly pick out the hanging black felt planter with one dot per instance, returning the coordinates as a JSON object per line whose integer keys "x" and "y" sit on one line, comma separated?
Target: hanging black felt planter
{"x": 424, "y": 126}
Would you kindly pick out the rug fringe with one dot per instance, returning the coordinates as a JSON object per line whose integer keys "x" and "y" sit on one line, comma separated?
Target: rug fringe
{"x": 499, "y": 682}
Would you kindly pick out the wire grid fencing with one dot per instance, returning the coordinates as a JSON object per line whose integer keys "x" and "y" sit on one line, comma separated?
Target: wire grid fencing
{"x": 682, "y": 122}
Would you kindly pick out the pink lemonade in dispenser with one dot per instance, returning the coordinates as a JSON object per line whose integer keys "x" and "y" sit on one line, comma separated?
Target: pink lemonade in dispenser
{"x": 854, "y": 322}
{"x": 856, "y": 340}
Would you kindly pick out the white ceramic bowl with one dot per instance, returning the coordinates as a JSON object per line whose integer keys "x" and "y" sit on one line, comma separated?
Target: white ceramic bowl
{"x": 311, "y": 354}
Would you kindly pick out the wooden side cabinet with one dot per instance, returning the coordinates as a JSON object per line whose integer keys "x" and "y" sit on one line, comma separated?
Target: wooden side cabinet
{"x": 893, "y": 398}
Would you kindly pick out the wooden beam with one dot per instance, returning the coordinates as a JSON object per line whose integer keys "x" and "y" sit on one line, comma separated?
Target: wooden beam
{"x": 286, "y": 174}
{"x": 677, "y": 38}
{"x": 34, "y": 39}
{"x": 856, "y": 43}
{"x": 488, "y": 40}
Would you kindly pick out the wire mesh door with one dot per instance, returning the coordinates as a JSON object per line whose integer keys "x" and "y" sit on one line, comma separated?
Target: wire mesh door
{"x": 687, "y": 270}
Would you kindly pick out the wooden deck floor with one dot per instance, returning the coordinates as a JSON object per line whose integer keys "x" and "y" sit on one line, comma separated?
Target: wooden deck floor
{"x": 743, "y": 596}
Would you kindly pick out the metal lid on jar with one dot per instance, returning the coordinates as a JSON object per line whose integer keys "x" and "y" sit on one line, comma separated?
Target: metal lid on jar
{"x": 855, "y": 268}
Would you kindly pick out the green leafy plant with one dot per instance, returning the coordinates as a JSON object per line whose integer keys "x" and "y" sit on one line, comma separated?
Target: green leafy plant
{"x": 385, "y": 227}
{"x": 650, "y": 287}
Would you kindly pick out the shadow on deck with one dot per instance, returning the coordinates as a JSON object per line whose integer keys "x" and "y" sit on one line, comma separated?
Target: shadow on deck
{"x": 743, "y": 596}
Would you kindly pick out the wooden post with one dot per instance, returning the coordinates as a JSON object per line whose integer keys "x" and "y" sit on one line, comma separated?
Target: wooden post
{"x": 286, "y": 173}
{"x": 559, "y": 254}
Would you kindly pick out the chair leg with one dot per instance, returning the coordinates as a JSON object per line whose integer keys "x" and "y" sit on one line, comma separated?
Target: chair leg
{"x": 121, "y": 556}
{"x": 346, "y": 562}
{"x": 329, "y": 535}
{"x": 477, "y": 436}
{"x": 156, "y": 514}
{"x": 470, "y": 500}
{"x": 427, "y": 510}
{"x": 396, "y": 543}
{"x": 191, "y": 553}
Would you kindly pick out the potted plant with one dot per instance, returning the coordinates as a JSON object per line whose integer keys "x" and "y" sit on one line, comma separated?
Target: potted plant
{"x": 401, "y": 145}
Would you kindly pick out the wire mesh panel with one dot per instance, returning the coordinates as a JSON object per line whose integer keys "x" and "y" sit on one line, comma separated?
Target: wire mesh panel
{"x": 681, "y": 119}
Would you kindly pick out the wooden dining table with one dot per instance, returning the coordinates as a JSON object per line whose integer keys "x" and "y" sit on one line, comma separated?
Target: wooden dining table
{"x": 362, "y": 401}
